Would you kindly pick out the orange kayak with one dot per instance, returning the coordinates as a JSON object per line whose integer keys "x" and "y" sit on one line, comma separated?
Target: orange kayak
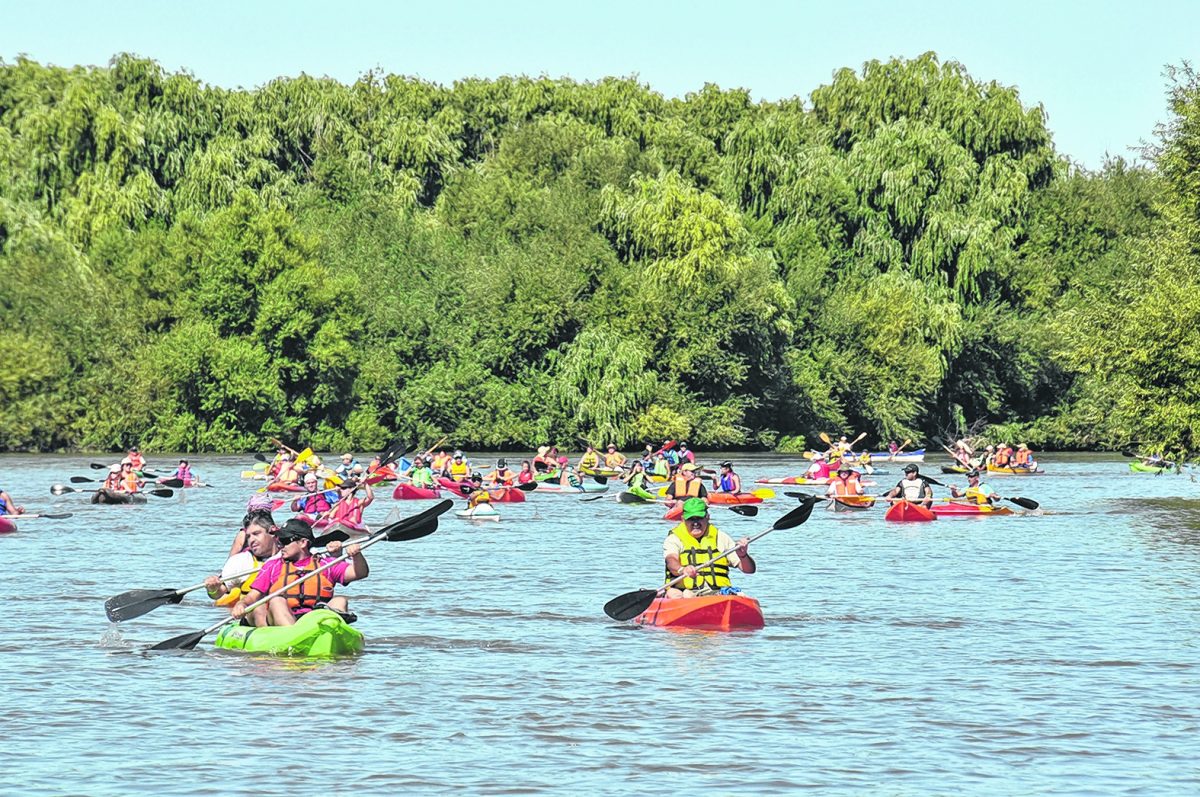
{"x": 972, "y": 510}
{"x": 733, "y": 498}
{"x": 708, "y": 613}
{"x": 908, "y": 511}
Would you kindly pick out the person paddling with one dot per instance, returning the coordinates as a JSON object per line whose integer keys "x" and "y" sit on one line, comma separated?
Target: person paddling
{"x": 136, "y": 459}
{"x": 913, "y": 487}
{"x": 317, "y": 503}
{"x": 349, "y": 508}
{"x": 297, "y": 539}
{"x": 614, "y": 459}
{"x": 458, "y": 468}
{"x": 844, "y": 483}
{"x": 421, "y": 474}
{"x": 977, "y": 492}
{"x": 9, "y": 506}
{"x": 819, "y": 470}
{"x": 502, "y": 475}
{"x": 727, "y": 481}
{"x": 694, "y": 541}
{"x": 345, "y": 468}
{"x": 635, "y": 481}
{"x": 183, "y": 473}
{"x": 129, "y": 481}
{"x": 686, "y": 484}
{"x": 476, "y": 494}
{"x": 525, "y": 476}
{"x": 590, "y": 459}
{"x": 260, "y": 544}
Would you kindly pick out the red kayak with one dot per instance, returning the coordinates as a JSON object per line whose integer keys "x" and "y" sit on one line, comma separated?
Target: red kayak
{"x": 7, "y": 525}
{"x": 956, "y": 509}
{"x": 733, "y": 498}
{"x": 908, "y": 511}
{"x": 406, "y": 492}
{"x": 708, "y": 613}
{"x": 284, "y": 487}
{"x": 674, "y": 513}
{"x": 499, "y": 495}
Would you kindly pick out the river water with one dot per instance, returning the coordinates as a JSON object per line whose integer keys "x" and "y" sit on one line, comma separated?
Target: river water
{"x": 1048, "y": 653}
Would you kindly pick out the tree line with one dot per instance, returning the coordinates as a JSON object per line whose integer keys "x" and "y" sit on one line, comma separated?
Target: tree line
{"x": 523, "y": 260}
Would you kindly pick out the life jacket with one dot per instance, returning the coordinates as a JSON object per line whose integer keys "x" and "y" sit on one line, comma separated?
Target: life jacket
{"x": 112, "y": 481}
{"x": 348, "y": 510}
{"x": 864, "y": 458}
{"x": 614, "y": 460}
{"x": 422, "y": 477}
{"x": 315, "y": 504}
{"x": 818, "y": 470}
{"x": 977, "y": 495}
{"x": 1002, "y": 457}
{"x": 184, "y": 475}
{"x": 911, "y": 492}
{"x": 1022, "y": 457}
{"x": 138, "y": 461}
{"x": 439, "y": 461}
{"x": 525, "y": 477}
{"x": 672, "y": 457}
{"x": 590, "y": 460}
{"x": 129, "y": 482}
{"x": 697, "y": 552}
{"x": 4, "y": 510}
{"x": 287, "y": 473}
{"x": 661, "y": 467}
{"x": 459, "y": 470}
{"x": 727, "y": 483}
{"x": 479, "y": 497}
{"x": 685, "y": 488}
{"x": 502, "y": 476}
{"x": 305, "y": 595}
{"x": 241, "y": 589}
{"x": 847, "y": 486}
{"x": 637, "y": 481}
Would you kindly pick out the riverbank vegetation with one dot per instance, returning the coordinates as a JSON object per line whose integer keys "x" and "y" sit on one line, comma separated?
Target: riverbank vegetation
{"x": 522, "y": 260}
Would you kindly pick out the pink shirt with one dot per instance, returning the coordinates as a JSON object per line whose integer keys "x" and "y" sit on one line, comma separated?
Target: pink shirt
{"x": 269, "y": 572}
{"x": 818, "y": 470}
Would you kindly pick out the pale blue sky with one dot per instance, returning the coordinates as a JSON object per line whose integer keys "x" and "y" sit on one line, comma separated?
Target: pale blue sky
{"x": 1095, "y": 66}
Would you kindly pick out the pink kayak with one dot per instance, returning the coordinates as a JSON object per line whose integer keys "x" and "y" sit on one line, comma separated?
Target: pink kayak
{"x": 407, "y": 492}
{"x": 499, "y": 495}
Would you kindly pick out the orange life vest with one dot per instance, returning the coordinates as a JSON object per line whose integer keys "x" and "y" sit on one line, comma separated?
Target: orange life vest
{"x": 1002, "y": 457}
{"x": 687, "y": 488}
{"x": 1022, "y": 457}
{"x": 306, "y": 594}
{"x": 129, "y": 482}
{"x": 847, "y": 486}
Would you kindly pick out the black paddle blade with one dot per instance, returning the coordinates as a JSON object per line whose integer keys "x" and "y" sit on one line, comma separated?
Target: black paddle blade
{"x": 60, "y": 489}
{"x": 162, "y": 493}
{"x": 631, "y": 498}
{"x": 797, "y": 515}
{"x": 527, "y": 487}
{"x": 748, "y": 511}
{"x": 261, "y": 457}
{"x": 803, "y": 496}
{"x": 81, "y": 480}
{"x": 413, "y": 532}
{"x": 1026, "y": 503}
{"x": 932, "y": 480}
{"x": 631, "y": 604}
{"x": 137, "y": 602}
{"x": 176, "y": 483}
{"x": 98, "y": 466}
{"x": 593, "y": 498}
{"x": 181, "y": 642}
{"x": 56, "y": 515}
{"x": 599, "y": 479}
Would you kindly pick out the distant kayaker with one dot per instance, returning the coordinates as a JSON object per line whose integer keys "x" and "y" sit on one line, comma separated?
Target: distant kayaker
{"x": 129, "y": 483}
{"x": 136, "y": 458}
{"x": 686, "y": 454}
{"x": 9, "y": 506}
{"x": 420, "y": 474}
{"x": 693, "y": 542}
{"x": 476, "y": 494}
{"x": 977, "y": 492}
{"x": 260, "y": 544}
{"x": 458, "y": 468}
{"x": 183, "y": 473}
{"x": 297, "y": 540}
{"x": 318, "y": 502}
{"x": 502, "y": 475}
{"x": 349, "y": 507}
{"x": 819, "y": 470}
{"x": 613, "y": 458}
{"x": 440, "y": 460}
{"x": 590, "y": 459}
{"x": 346, "y": 467}
{"x": 1023, "y": 458}
{"x": 686, "y": 484}
{"x": 845, "y": 482}
{"x": 913, "y": 487}
{"x": 1003, "y": 455}
{"x": 541, "y": 460}
{"x": 660, "y": 467}
{"x": 568, "y": 477}
{"x": 113, "y": 480}
{"x": 525, "y": 476}
{"x": 288, "y": 473}
{"x": 727, "y": 481}
{"x": 635, "y": 481}
{"x": 842, "y": 446}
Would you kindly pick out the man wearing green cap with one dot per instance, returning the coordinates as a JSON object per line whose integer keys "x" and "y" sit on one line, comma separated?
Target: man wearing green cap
{"x": 695, "y": 541}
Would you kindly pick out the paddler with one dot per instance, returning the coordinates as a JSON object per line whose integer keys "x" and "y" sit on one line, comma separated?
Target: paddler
{"x": 590, "y": 459}
{"x": 525, "y": 476}
{"x": 613, "y": 458}
{"x": 349, "y": 508}
{"x": 568, "y": 478}
{"x": 1023, "y": 458}
{"x": 420, "y": 474}
{"x": 913, "y": 487}
{"x": 844, "y": 483}
{"x": 129, "y": 481}
{"x": 727, "y": 481}
{"x": 660, "y": 467}
{"x": 819, "y": 470}
{"x": 345, "y": 468}
{"x": 258, "y": 532}
{"x": 8, "y": 506}
{"x": 476, "y": 495}
{"x": 317, "y": 502}
{"x": 1003, "y": 455}
{"x": 541, "y": 461}
{"x": 686, "y": 455}
{"x": 113, "y": 480}
{"x": 842, "y": 447}
{"x": 183, "y": 473}
{"x": 296, "y": 540}
{"x": 440, "y": 460}
{"x": 458, "y": 468}
{"x": 288, "y": 473}
{"x": 686, "y": 484}
{"x": 695, "y": 541}
{"x": 635, "y": 481}
{"x": 502, "y": 475}
{"x": 977, "y": 492}
{"x": 136, "y": 459}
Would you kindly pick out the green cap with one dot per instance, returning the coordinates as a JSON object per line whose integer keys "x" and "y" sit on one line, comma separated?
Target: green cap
{"x": 694, "y": 507}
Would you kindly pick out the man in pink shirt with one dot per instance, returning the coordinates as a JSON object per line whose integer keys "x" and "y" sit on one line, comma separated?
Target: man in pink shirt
{"x": 819, "y": 468}
{"x": 296, "y": 541}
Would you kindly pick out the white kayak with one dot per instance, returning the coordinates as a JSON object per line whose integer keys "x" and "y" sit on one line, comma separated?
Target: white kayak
{"x": 555, "y": 487}
{"x": 480, "y": 512}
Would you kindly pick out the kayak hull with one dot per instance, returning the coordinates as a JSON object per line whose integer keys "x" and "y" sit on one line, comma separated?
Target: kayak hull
{"x": 407, "y": 492}
{"x": 1014, "y": 471}
{"x": 851, "y": 503}
{"x": 318, "y": 634}
{"x": 106, "y": 496}
{"x": 707, "y": 613}
{"x": 725, "y": 499}
{"x": 7, "y": 525}
{"x": 609, "y": 472}
{"x": 499, "y": 495}
{"x": 908, "y": 512}
{"x": 953, "y": 509}
{"x": 806, "y": 480}
{"x": 284, "y": 487}
{"x": 480, "y": 512}
{"x": 1140, "y": 467}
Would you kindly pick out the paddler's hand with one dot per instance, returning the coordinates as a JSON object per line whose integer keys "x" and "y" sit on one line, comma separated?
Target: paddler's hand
{"x": 743, "y": 547}
{"x": 689, "y": 571}
{"x": 238, "y": 610}
{"x": 334, "y": 548}
{"x": 354, "y": 549}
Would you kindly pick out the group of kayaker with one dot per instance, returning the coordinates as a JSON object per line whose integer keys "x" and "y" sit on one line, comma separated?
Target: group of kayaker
{"x": 915, "y": 488}
{"x": 994, "y": 457}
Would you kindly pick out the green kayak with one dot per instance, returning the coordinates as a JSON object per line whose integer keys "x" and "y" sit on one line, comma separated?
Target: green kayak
{"x": 318, "y": 634}
{"x": 1141, "y": 467}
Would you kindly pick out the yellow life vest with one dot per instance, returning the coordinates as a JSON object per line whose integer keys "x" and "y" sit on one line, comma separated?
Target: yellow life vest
{"x": 696, "y": 552}
{"x": 614, "y": 460}
{"x": 687, "y": 488}
{"x": 590, "y": 460}
{"x": 976, "y": 495}
{"x": 458, "y": 470}
{"x": 243, "y": 588}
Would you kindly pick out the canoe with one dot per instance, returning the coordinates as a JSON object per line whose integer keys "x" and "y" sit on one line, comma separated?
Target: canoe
{"x": 586, "y": 487}
{"x": 318, "y": 634}
{"x": 1141, "y": 467}
{"x": 805, "y": 480}
{"x": 733, "y": 498}
{"x": 285, "y": 487}
{"x": 406, "y": 492}
{"x": 479, "y": 512}
{"x": 957, "y": 509}
{"x": 609, "y": 472}
{"x": 106, "y": 496}
{"x": 953, "y": 469}
{"x": 1014, "y": 471}
{"x": 7, "y": 525}
{"x": 906, "y": 511}
{"x": 851, "y": 503}
{"x": 707, "y": 613}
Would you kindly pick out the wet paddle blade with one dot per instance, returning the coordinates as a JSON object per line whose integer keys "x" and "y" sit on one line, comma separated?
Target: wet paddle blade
{"x": 161, "y": 493}
{"x": 261, "y": 457}
{"x": 630, "y": 605}
{"x": 181, "y": 642}
{"x": 1025, "y": 503}
{"x": 802, "y": 496}
{"x": 592, "y": 498}
{"x": 599, "y": 479}
{"x": 527, "y": 487}
{"x": 54, "y": 516}
{"x": 413, "y": 532}
{"x": 747, "y": 510}
{"x": 630, "y": 498}
{"x": 137, "y": 602}
{"x": 61, "y": 489}
{"x": 97, "y": 466}
{"x": 176, "y": 483}
{"x": 796, "y": 516}
{"x": 81, "y": 480}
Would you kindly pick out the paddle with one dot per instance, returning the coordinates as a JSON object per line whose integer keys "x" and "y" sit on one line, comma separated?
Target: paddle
{"x": 749, "y": 510}
{"x": 83, "y": 480}
{"x": 631, "y": 604}
{"x": 527, "y": 487}
{"x": 60, "y": 489}
{"x": 137, "y": 602}
{"x": 51, "y": 516}
{"x": 412, "y": 528}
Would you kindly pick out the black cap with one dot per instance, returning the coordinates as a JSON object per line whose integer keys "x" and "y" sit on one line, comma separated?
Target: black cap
{"x": 972, "y": 473}
{"x": 911, "y": 469}
{"x": 501, "y": 463}
{"x": 727, "y": 464}
{"x": 297, "y": 529}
